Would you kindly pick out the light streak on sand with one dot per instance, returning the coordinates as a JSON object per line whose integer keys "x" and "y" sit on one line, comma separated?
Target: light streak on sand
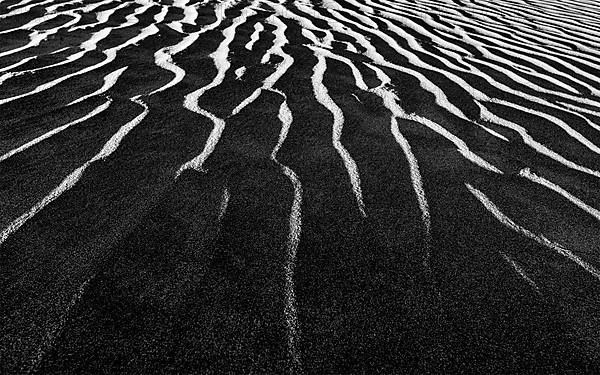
{"x": 36, "y": 37}
{"x": 53, "y": 8}
{"x": 358, "y": 78}
{"x": 160, "y": 16}
{"x": 417, "y": 182}
{"x": 526, "y": 173}
{"x": 17, "y": 64}
{"x": 486, "y": 115}
{"x": 276, "y": 49}
{"x": 24, "y": 9}
{"x": 427, "y": 84}
{"x": 111, "y": 55}
{"x": 476, "y": 94}
{"x": 539, "y": 238}
{"x": 91, "y": 7}
{"x": 322, "y": 96}
{"x": 389, "y": 100}
{"x": 56, "y": 330}
{"x": 258, "y": 28}
{"x": 197, "y": 163}
{"x": 133, "y": 19}
{"x": 239, "y": 72}
{"x": 295, "y": 225}
{"x": 575, "y": 109}
{"x": 164, "y": 56}
{"x": 508, "y": 49}
{"x": 224, "y": 203}
{"x": 462, "y": 147}
{"x": 560, "y": 123}
{"x": 101, "y": 108}
{"x": 109, "y": 147}
{"x": 190, "y": 13}
{"x": 220, "y": 59}
{"x": 101, "y": 17}
{"x": 31, "y": 24}
{"x": 109, "y": 81}
{"x": 87, "y": 46}
{"x": 520, "y": 271}
{"x": 22, "y": 3}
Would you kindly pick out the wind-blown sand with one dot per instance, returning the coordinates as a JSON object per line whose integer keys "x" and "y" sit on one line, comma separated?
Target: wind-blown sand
{"x": 342, "y": 186}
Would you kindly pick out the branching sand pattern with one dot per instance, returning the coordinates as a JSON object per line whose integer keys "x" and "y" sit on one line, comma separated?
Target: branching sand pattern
{"x": 338, "y": 186}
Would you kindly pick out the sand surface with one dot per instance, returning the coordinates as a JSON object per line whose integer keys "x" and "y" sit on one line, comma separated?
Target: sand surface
{"x": 320, "y": 187}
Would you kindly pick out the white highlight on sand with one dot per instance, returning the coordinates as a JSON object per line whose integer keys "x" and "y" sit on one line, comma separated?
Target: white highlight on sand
{"x": 15, "y": 65}
{"x": 520, "y": 271}
{"x": 91, "y": 7}
{"x": 160, "y": 17}
{"x": 280, "y": 39}
{"x": 164, "y": 57}
{"x": 573, "y": 70}
{"x": 24, "y": 9}
{"x": 501, "y": 217}
{"x": 486, "y": 115}
{"x": 390, "y": 101}
{"x": 333, "y": 24}
{"x": 101, "y": 108}
{"x": 24, "y": 61}
{"x": 560, "y": 123}
{"x": 258, "y": 28}
{"x": 295, "y": 225}
{"x": 281, "y": 68}
{"x": 575, "y": 109}
{"x": 239, "y": 72}
{"x": 224, "y": 203}
{"x": 197, "y": 163}
{"x": 371, "y": 52}
{"x": 36, "y": 37}
{"x": 508, "y": 49}
{"x": 191, "y": 100}
{"x": 57, "y": 329}
{"x": 109, "y": 147}
{"x": 101, "y": 17}
{"x": 31, "y": 24}
{"x": 110, "y": 53}
{"x": 109, "y": 81}
{"x": 53, "y": 8}
{"x": 21, "y": 3}
{"x": 417, "y": 182}
{"x": 526, "y": 173}
{"x": 133, "y": 19}
{"x": 477, "y": 95}
{"x": 350, "y": 47}
{"x": 190, "y": 13}
{"x": 322, "y": 96}
{"x": 86, "y": 47}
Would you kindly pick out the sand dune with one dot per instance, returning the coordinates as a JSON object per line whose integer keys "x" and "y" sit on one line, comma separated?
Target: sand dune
{"x": 342, "y": 186}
